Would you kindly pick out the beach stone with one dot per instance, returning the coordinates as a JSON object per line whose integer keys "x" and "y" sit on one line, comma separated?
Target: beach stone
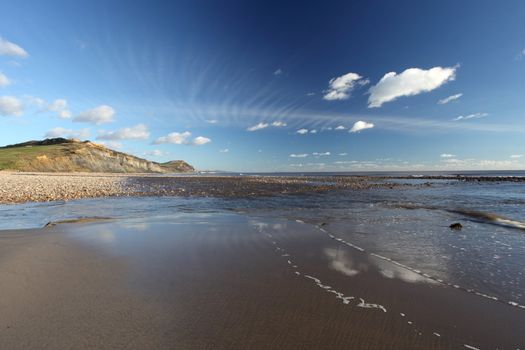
{"x": 456, "y": 226}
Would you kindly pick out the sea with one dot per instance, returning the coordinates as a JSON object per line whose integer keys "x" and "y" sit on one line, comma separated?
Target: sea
{"x": 408, "y": 226}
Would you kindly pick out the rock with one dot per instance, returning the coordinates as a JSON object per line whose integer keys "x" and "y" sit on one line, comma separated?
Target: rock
{"x": 456, "y": 226}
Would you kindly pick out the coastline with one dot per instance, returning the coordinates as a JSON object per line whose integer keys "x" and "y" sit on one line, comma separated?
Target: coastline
{"x": 20, "y": 187}
{"x": 228, "y": 281}
{"x": 44, "y": 187}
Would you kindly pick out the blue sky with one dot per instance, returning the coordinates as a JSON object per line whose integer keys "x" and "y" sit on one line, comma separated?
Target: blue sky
{"x": 272, "y": 86}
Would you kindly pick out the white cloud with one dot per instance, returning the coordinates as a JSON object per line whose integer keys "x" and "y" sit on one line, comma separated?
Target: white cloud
{"x": 313, "y": 131}
{"x": 8, "y": 48}
{"x": 176, "y": 138}
{"x": 310, "y": 94}
{"x": 98, "y": 115}
{"x": 59, "y": 106}
{"x": 279, "y": 124}
{"x": 10, "y": 106}
{"x": 212, "y": 121}
{"x": 516, "y": 156}
{"x": 302, "y": 155}
{"x": 137, "y": 132}
{"x": 339, "y": 88}
{"x": 279, "y": 71}
{"x": 471, "y": 116}
{"x": 111, "y": 144}
{"x": 302, "y": 131}
{"x": 226, "y": 150}
{"x": 183, "y": 138}
{"x": 201, "y": 140}
{"x": 4, "y": 81}
{"x": 155, "y": 153}
{"x": 361, "y": 125}
{"x": 447, "y": 155}
{"x": 340, "y": 127}
{"x": 412, "y": 81}
{"x": 259, "y": 126}
{"x": 36, "y": 101}
{"x": 471, "y": 163}
{"x": 342, "y": 154}
{"x": 321, "y": 154}
{"x": 449, "y": 99}
{"x": 68, "y": 133}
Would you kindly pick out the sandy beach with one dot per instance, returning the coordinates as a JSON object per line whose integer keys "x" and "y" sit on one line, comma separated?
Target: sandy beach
{"x": 227, "y": 281}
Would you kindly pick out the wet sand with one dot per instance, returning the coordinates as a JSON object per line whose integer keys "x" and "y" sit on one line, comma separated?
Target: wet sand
{"x": 226, "y": 281}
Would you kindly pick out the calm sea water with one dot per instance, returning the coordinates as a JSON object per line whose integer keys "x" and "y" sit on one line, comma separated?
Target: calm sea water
{"x": 409, "y": 226}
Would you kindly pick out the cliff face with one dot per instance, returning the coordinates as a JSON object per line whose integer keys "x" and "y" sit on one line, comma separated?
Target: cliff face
{"x": 63, "y": 155}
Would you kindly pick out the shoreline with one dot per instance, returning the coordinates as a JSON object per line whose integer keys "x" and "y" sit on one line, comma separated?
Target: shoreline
{"x": 16, "y": 188}
{"x": 239, "y": 281}
{"x": 19, "y": 187}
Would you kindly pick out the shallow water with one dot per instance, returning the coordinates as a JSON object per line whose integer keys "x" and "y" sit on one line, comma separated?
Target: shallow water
{"x": 409, "y": 226}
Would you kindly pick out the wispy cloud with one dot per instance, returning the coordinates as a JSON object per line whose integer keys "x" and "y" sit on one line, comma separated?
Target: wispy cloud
{"x": 11, "y": 106}
{"x": 99, "y": 115}
{"x": 412, "y": 81}
{"x": 156, "y": 153}
{"x": 112, "y": 144}
{"x": 137, "y": 132}
{"x": 447, "y": 155}
{"x": 4, "y": 81}
{"x": 68, "y": 133}
{"x": 259, "y": 126}
{"x": 361, "y": 125}
{"x": 449, "y": 99}
{"x": 225, "y": 150}
{"x": 340, "y": 127}
{"x": 301, "y": 155}
{"x": 212, "y": 121}
{"x": 516, "y": 156}
{"x": 340, "y": 88}
{"x": 182, "y": 138}
{"x": 278, "y": 71}
{"x": 321, "y": 154}
{"x": 342, "y": 154}
{"x": 471, "y": 116}
{"x": 8, "y": 48}
{"x": 59, "y": 106}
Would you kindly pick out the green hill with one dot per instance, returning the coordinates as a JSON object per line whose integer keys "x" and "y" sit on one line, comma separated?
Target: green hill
{"x": 69, "y": 155}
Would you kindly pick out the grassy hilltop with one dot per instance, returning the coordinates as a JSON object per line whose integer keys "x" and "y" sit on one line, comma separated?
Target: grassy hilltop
{"x": 69, "y": 155}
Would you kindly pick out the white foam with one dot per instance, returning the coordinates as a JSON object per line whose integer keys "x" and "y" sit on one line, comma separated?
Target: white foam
{"x": 370, "y": 305}
{"x": 437, "y": 334}
{"x": 470, "y": 347}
